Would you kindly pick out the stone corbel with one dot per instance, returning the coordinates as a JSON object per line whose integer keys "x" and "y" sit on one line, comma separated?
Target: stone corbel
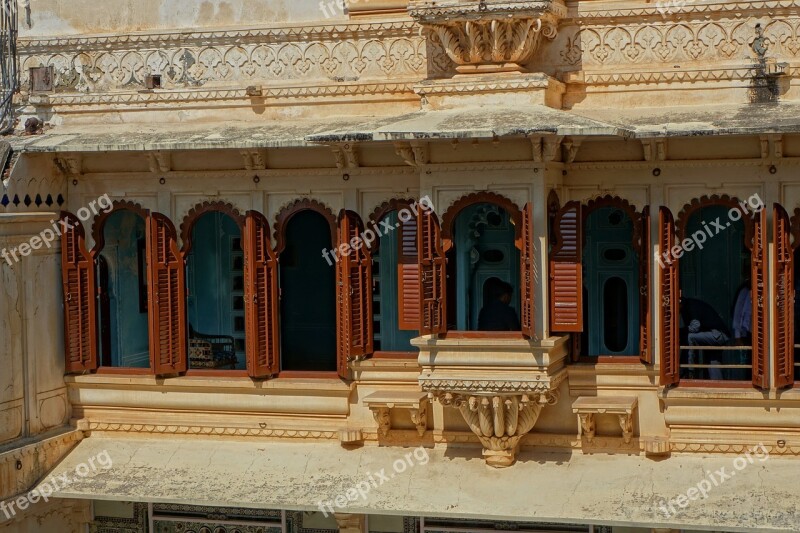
{"x": 545, "y": 149}
{"x": 499, "y": 420}
{"x": 346, "y": 155}
{"x": 655, "y": 150}
{"x": 416, "y": 403}
{"x": 254, "y": 159}
{"x": 70, "y": 166}
{"x": 414, "y": 153}
{"x": 771, "y": 146}
{"x": 571, "y": 147}
{"x": 160, "y": 162}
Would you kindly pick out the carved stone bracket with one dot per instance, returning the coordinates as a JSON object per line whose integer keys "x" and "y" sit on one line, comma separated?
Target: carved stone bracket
{"x": 491, "y": 35}
{"x": 499, "y": 421}
{"x": 414, "y": 153}
{"x": 346, "y": 156}
{"x": 415, "y": 402}
{"x": 586, "y": 407}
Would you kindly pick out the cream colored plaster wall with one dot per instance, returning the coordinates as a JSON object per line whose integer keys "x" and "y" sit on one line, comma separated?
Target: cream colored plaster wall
{"x": 76, "y": 17}
{"x": 32, "y": 391}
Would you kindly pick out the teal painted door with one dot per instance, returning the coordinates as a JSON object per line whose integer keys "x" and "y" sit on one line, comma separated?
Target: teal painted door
{"x": 611, "y": 281}
{"x": 484, "y": 249}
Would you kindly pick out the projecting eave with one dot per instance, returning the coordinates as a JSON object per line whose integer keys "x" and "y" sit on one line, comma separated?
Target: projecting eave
{"x": 710, "y": 120}
{"x": 475, "y": 123}
{"x": 201, "y": 136}
{"x": 567, "y": 487}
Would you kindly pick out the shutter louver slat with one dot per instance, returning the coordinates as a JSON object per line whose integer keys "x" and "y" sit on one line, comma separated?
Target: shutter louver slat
{"x": 784, "y": 298}
{"x": 78, "y": 281}
{"x": 354, "y": 285}
{"x": 167, "y": 297}
{"x": 432, "y": 277}
{"x": 670, "y": 302}
{"x": 528, "y": 278}
{"x": 261, "y": 298}
{"x": 645, "y": 268}
{"x": 759, "y": 300}
{"x": 566, "y": 271}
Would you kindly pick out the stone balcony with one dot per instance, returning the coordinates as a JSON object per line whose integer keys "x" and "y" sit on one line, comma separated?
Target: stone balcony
{"x": 500, "y": 384}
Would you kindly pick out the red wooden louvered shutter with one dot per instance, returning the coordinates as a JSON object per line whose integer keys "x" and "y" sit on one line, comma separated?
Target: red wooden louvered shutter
{"x": 167, "y": 298}
{"x": 527, "y": 278}
{"x": 261, "y": 298}
{"x": 433, "y": 281}
{"x": 670, "y": 300}
{"x": 78, "y": 280}
{"x": 566, "y": 271}
{"x": 784, "y": 298}
{"x": 408, "y": 274}
{"x": 645, "y": 268}
{"x": 758, "y": 280}
{"x": 354, "y": 312}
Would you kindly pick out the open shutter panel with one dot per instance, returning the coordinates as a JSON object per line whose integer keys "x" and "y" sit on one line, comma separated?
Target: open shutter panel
{"x": 433, "y": 282}
{"x": 354, "y": 275}
{"x": 670, "y": 301}
{"x": 408, "y": 275}
{"x": 784, "y": 299}
{"x": 167, "y": 298}
{"x": 566, "y": 271}
{"x": 645, "y": 268}
{"x": 261, "y": 298}
{"x": 527, "y": 261}
{"x": 759, "y": 297}
{"x": 80, "y": 324}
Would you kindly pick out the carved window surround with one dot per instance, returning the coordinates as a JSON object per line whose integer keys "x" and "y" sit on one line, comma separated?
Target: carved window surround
{"x": 491, "y": 35}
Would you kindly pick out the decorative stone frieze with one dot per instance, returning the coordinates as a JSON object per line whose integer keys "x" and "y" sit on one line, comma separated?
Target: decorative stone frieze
{"x": 499, "y": 386}
{"x": 489, "y": 35}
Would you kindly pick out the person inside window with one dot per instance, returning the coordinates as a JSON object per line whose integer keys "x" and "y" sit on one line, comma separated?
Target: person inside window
{"x": 497, "y": 314}
{"x": 742, "y": 328}
{"x": 704, "y": 327}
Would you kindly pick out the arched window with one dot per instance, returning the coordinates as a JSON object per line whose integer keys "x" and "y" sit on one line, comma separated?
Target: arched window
{"x": 713, "y": 283}
{"x": 610, "y": 261}
{"x": 308, "y": 330}
{"x": 395, "y": 276}
{"x": 215, "y": 285}
{"x": 489, "y": 282}
{"x": 120, "y": 254}
{"x": 599, "y": 278}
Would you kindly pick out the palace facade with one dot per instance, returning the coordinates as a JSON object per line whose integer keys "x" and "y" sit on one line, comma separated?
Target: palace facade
{"x": 251, "y": 249}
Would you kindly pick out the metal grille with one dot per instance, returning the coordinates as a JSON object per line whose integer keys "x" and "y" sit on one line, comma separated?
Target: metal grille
{"x": 8, "y": 62}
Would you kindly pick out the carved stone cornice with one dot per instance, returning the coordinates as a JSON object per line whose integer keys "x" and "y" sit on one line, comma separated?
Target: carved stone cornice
{"x": 490, "y": 35}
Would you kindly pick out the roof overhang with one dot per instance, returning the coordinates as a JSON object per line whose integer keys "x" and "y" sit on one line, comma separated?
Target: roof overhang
{"x": 566, "y": 487}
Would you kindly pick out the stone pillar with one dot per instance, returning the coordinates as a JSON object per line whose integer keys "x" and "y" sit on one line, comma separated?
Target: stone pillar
{"x": 351, "y": 523}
